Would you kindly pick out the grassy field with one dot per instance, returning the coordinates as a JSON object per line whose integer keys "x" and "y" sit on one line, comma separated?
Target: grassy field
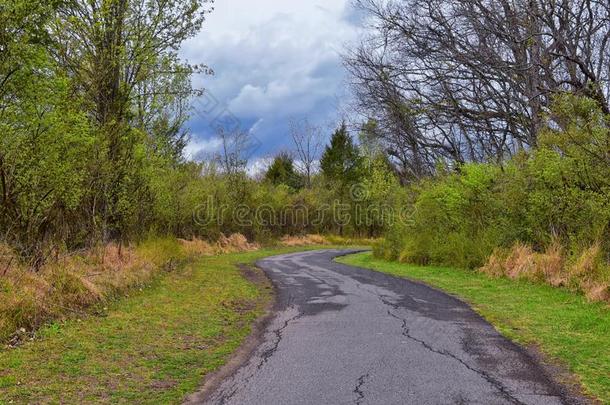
{"x": 563, "y": 325}
{"x": 154, "y": 346}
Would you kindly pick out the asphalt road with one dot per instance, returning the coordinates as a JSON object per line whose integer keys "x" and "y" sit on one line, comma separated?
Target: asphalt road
{"x": 344, "y": 335}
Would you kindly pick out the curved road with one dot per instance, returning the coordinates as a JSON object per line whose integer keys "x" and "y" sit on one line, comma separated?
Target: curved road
{"x": 345, "y": 335}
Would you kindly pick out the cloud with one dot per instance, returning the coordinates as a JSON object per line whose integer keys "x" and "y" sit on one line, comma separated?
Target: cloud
{"x": 258, "y": 166}
{"x": 199, "y": 148}
{"x": 273, "y": 61}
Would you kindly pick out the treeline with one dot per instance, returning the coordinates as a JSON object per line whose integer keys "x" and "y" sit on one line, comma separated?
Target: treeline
{"x": 93, "y": 102}
{"x": 351, "y": 191}
{"x": 485, "y": 140}
{"x": 496, "y": 116}
{"x": 543, "y": 215}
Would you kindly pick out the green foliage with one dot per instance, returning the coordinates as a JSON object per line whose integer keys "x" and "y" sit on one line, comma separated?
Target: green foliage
{"x": 341, "y": 162}
{"x": 92, "y": 123}
{"x": 378, "y": 198}
{"x": 282, "y": 171}
{"x": 44, "y": 136}
{"x": 93, "y": 100}
{"x": 452, "y": 218}
{"x": 558, "y": 192}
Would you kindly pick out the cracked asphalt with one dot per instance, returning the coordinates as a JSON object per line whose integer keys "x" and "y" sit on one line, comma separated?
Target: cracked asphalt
{"x": 345, "y": 335}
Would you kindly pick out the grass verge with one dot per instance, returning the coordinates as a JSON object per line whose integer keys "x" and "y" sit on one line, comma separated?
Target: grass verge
{"x": 154, "y": 346}
{"x": 561, "y": 324}
{"x": 68, "y": 285}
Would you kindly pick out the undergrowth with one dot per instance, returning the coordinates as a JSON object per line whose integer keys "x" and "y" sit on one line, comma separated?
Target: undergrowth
{"x": 70, "y": 285}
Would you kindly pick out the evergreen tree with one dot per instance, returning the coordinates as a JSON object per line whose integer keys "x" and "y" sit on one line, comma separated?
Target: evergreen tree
{"x": 341, "y": 161}
{"x": 282, "y": 171}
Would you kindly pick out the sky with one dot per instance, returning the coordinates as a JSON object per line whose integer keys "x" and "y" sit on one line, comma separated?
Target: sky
{"x": 273, "y": 61}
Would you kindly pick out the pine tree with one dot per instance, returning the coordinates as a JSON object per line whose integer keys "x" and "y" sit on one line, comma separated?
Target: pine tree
{"x": 341, "y": 161}
{"x": 282, "y": 171}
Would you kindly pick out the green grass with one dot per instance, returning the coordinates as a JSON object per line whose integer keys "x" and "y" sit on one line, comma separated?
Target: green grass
{"x": 154, "y": 346}
{"x": 563, "y": 325}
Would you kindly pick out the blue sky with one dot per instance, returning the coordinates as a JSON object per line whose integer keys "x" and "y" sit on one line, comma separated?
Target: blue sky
{"x": 273, "y": 61}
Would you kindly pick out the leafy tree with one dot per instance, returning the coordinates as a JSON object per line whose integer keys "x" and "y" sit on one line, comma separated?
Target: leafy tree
{"x": 122, "y": 55}
{"x": 341, "y": 170}
{"x": 45, "y": 137}
{"x": 382, "y": 195}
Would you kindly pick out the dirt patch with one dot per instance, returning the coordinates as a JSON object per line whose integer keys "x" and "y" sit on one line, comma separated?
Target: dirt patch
{"x": 163, "y": 385}
{"x": 254, "y": 275}
{"x": 248, "y": 347}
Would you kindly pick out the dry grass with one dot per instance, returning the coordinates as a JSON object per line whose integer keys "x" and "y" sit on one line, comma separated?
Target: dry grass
{"x": 197, "y": 247}
{"x": 303, "y": 240}
{"x": 232, "y": 244}
{"x": 70, "y": 285}
{"x": 235, "y": 243}
{"x": 315, "y": 239}
{"x": 589, "y": 273}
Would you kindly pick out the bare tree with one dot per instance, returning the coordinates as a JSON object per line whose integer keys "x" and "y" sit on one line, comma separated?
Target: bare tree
{"x": 308, "y": 142}
{"x": 475, "y": 76}
{"x": 233, "y": 157}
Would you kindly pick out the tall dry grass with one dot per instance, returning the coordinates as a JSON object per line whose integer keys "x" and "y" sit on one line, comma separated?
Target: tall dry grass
{"x": 588, "y": 273}
{"x": 231, "y": 244}
{"x": 316, "y": 239}
{"x": 72, "y": 284}
{"x": 303, "y": 240}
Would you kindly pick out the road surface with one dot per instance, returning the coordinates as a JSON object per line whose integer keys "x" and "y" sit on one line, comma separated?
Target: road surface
{"x": 344, "y": 335}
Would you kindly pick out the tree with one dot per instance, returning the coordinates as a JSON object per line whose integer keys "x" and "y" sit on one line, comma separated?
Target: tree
{"x": 233, "y": 157}
{"x": 307, "y": 140}
{"x": 340, "y": 162}
{"x": 123, "y": 59}
{"x": 381, "y": 195}
{"x": 470, "y": 80}
{"x": 44, "y": 138}
{"x": 282, "y": 171}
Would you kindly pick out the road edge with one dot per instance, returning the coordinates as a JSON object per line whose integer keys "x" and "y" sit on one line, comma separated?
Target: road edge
{"x": 241, "y": 356}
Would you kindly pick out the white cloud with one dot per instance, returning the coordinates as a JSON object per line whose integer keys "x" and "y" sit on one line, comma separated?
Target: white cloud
{"x": 199, "y": 147}
{"x": 274, "y": 60}
{"x": 258, "y": 166}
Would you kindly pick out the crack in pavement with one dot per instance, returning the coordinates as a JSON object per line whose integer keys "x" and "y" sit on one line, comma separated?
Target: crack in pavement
{"x": 492, "y": 381}
{"x": 351, "y": 350}
{"x": 230, "y": 392}
{"x": 225, "y": 398}
{"x": 358, "y": 390}
{"x": 266, "y": 355}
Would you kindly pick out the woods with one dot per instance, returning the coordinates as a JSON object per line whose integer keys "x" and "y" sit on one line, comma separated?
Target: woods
{"x": 495, "y": 115}
{"x": 94, "y": 105}
{"x": 478, "y": 126}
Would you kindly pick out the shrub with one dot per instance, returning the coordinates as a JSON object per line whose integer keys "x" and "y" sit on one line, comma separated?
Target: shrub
{"x": 454, "y": 220}
{"x": 543, "y": 216}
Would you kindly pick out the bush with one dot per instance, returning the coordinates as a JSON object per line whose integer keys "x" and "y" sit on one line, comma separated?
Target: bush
{"x": 543, "y": 216}
{"x": 453, "y": 220}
